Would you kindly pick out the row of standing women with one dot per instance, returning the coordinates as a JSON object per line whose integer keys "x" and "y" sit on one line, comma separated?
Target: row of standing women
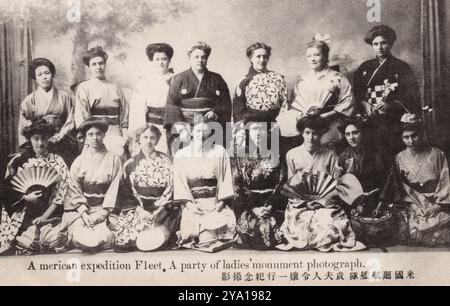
{"x": 207, "y": 200}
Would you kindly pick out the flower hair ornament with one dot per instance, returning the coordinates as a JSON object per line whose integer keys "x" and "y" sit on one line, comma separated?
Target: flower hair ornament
{"x": 410, "y": 118}
{"x": 326, "y": 38}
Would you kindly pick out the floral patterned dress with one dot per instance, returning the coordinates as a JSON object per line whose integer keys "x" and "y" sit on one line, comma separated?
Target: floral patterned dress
{"x": 148, "y": 183}
{"x": 17, "y": 215}
{"x": 326, "y": 228}
{"x": 259, "y": 96}
{"x": 257, "y": 181}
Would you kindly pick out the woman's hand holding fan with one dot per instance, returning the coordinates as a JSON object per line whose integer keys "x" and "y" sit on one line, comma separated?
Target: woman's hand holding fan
{"x": 33, "y": 197}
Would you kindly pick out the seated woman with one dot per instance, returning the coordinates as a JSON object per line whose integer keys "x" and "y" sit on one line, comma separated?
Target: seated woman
{"x": 363, "y": 160}
{"x": 93, "y": 184}
{"x": 203, "y": 181}
{"x": 27, "y": 217}
{"x": 54, "y": 105}
{"x": 258, "y": 179}
{"x": 145, "y": 195}
{"x": 419, "y": 188}
{"x": 323, "y": 224}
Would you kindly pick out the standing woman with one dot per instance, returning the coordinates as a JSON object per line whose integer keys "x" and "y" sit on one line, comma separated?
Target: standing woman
{"x": 102, "y": 99}
{"x": 93, "y": 184}
{"x": 26, "y": 215}
{"x": 203, "y": 182}
{"x": 386, "y": 87}
{"x": 260, "y": 95}
{"x": 150, "y": 97}
{"x": 419, "y": 187}
{"x": 52, "y": 104}
{"x": 146, "y": 194}
{"x": 322, "y": 225}
{"x": 197, "y": 92}
{"x": 322, "y": 91}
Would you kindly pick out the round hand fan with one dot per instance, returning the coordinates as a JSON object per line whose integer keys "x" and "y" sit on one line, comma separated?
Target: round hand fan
{"x": 153, "y": 238}
{"x": 309, "y": 186}
{"x": 34, "y": 178}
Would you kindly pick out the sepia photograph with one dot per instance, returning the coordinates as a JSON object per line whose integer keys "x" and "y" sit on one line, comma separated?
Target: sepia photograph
{"x": 224, "y": 143}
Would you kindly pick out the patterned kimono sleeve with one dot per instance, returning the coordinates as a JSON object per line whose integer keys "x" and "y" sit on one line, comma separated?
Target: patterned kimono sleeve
{"x": 82, "y": 109}
{"x": 62, "y": 186}
{"x": 116, "y": 174}
{"x": 124, "y": 109}
{"x": 167, "y": 195}
{"x": 284, "y": 97}
{"x": 75, "y": 199}
{"x": 225, "y": 189}
{"x": 346, "y": 101}
{"x": 442, "y": 193}
{"x": 69, "y": 125}
{"x": 223, "y": 106}
{"x": 275, "y": 198}
{"x": 137, "y": 107}
{"x": 181, "y": 190}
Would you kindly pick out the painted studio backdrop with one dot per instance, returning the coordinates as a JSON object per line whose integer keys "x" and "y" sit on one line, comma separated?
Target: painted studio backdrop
{"x": 52, "y": 29}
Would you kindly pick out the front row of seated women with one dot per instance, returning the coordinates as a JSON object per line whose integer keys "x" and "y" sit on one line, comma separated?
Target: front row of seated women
{"x": 206, "y": 200}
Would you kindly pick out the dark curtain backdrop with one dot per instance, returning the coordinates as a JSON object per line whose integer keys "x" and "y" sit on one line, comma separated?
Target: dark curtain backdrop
{"x": 15, "y": 55}
{"x": 435, "y": 67}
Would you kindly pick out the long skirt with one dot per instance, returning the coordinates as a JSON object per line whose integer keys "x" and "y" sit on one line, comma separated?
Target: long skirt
{"x": 324, "y": 229}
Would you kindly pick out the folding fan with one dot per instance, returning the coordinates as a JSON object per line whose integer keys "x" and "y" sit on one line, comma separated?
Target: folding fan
{"x": 309, "y": 186}
{"x": 34, "y": 178}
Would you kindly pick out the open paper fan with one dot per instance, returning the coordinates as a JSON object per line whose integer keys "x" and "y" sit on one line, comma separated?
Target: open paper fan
{"x": 34, "y": 178}
{"x": 309, "y": 186}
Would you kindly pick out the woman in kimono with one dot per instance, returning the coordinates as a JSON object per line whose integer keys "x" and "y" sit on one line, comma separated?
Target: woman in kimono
{"x": 361, "y": 158}
{"x": 27, "y": 220}
{"x": 322, "y": 91}
{"x": 260, "y": 95}
{"x": 196, "y": 92}
{"x": 52, "y": 104}
{"x": 322, "y": 225}
{"x": 146, "y": 193}
{"x": 385, "y": 87}
{"x": 419, "y": 188}
{"x": 258, "y": 179}
{"x": 203, "y": 182}
{"x": 102, "y": 99}
{"x": 93, "y": 185}
{"x": 150, "y": 94}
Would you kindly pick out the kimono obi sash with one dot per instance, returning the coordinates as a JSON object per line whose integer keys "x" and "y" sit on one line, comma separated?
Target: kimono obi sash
{"x": 155, "y": 115}
{"x": 428, "y": 187}
{"x": 203, "y": 188}
{"x": 196, "y": 106}
{"x": 95, "y": 193}
{"x": 149, "y": 193}
{"x": 109, "y": 114}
